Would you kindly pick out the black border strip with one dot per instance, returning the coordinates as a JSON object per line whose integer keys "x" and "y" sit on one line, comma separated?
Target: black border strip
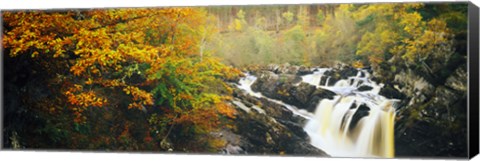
{"x": 2, "y": 117}
{"x": 473, "y": 41}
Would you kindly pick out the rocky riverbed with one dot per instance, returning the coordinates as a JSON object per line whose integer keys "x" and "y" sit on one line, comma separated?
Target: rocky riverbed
{"x": 272, "y": 113}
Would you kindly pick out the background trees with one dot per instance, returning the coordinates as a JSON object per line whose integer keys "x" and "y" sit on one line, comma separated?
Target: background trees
{"x": 368, "y": 34}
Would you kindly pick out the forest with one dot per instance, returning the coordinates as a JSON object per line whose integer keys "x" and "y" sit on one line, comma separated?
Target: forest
{"x": 170, "y": 79}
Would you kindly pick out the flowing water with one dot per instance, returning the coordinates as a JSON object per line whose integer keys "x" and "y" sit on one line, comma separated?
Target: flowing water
{"x": 248, "y": 80}
{"x": 353, "y": 124}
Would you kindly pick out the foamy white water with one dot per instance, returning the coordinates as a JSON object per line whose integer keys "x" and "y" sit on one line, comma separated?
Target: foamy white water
{"x": 373, "y": 134}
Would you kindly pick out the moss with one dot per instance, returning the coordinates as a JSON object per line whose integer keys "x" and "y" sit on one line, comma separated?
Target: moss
{"x": 283, "y": 92}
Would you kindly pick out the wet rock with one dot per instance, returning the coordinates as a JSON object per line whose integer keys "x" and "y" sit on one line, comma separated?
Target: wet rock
{"x": 434, "y": 121}
{"x": 233, "y": 149}
{"x": 301, "y": 94}
{"x": 362, "y": 74}
{"x": 413, "y": 85}
{"x": 362, "y": 111}
{"x": 364, "y": 88}
{"x": 331, "y": 79}
{"x": 273, "y": 85}
{"x": 297, "y": 129}
{"x": 457, "y": 80}
{"x": 343, "y": 72}
{"x": 336, "y": 74}
{"x": 262, "y": 134}
{"x": 304, "y": 71}
{"x": 436, "y": 128}
{"x": 272, "y": 109}
{"x": 285, "y": 87}
{"x": 315, "y": 98}
{"x": 348, "y": 71}
{"x": 390, "y": 92}
{"x": 276, "y": 110}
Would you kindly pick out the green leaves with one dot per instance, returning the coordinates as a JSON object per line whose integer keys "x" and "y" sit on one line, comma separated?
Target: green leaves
{"x": 370, "y": 18}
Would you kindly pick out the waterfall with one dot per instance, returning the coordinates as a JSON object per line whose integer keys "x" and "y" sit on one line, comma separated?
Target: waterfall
{"x": 316, "y": 77}
{"x": 336, "y": 130}
{"x": 353, "y": 124}
{"x": 246, "y": 84}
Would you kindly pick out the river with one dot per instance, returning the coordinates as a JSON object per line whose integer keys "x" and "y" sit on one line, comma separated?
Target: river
{"x": 353, "y": 124}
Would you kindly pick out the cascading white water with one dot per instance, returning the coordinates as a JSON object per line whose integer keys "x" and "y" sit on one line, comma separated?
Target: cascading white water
{"x": 246, "y": 83}
{"x": 316, "y": 77}
{"x": 330, "y": 127}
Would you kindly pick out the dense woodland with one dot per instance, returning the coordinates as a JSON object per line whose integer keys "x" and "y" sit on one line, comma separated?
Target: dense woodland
{"x": 151, "y": 79}
{"x": 323, "y": 34}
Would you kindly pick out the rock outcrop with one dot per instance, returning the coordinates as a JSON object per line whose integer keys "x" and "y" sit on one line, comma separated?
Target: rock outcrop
{"x": 265, "y": 127}
{"x": 433, "y": 119}
{"x": 289, "y": 89}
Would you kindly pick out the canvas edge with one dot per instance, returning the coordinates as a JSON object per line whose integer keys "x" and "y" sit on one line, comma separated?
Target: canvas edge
{"x": 473, "y": 95}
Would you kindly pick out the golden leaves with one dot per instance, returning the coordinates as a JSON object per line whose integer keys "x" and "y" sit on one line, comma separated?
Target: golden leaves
{"x": 34, "y": 30}
{"x": 118, "y": 53}
{"x": 357, "y": 64}
{"x": 412, "y": 23}
{"x": 226, "y": 109}
{"x": 80, "y": 101}
{"x": 140, "y": 97}
{"x": 400, "y": 30}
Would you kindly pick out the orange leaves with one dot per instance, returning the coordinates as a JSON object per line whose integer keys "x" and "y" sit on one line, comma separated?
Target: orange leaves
{"x": 77, "y": 70}
{"x": 34, "y": 30}
{"x": 125, "y": 133}
{"x": 140, "y": 97}
{"x": 225, "y": 109}
{"x": 85, "y": 99}
{"x": 204, "y": 119}
{"x": 375, "y": 60}
{"x": 207, "y": 118}
{"x": 80, "y": 101}
{"x": 124, "y": 54}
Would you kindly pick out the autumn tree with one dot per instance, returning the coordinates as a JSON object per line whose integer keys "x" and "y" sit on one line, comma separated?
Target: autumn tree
{"x": 145, "y": 59}
{"x": 400, "y": 31}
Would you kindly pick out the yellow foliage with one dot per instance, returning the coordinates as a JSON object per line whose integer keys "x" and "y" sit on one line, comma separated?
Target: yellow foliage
{"x": 399, "y": 30}
{"x": 124, "y": 50}
{"x": 140, "y": 97}
{"x": 358, "y": 64}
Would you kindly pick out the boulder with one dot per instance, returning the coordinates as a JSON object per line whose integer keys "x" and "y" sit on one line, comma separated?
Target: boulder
{"x": 362, "y": 111}
{"x": 300, "y": 95}
{"x": 272, "y": 109}
{"x": 304, "y": 71}
{"x": 390, "y": 92}
{"x": 458, "y": 80}
{"x": 315, "y": 98}
{"x": 273, "y": 85}
{"x": 331, "y": 78}
{"x": 348, "y": 71}
{"x": 364, "y": 88}
{"x": 336, "y": 74}
{"x": 433, "y": 124}
{"x": 262, "y": 134}
{"x": 276, "y": 110}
